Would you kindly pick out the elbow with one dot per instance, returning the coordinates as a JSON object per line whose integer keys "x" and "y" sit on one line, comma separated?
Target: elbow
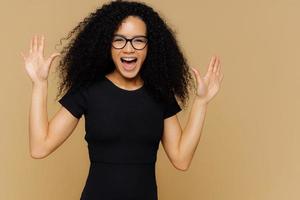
{"x": 182, "y": 166}
{"x": 39, "y": 150}
{"x": 181, "y": 163}
{"x": 38, "y": 154}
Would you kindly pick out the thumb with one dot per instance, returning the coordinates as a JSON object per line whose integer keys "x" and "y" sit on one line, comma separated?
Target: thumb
{"x": 197, "y": 74}
{"x": 51, "y": 58}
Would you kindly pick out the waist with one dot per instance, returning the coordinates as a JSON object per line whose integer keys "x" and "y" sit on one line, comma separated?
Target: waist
{"x": 101, "y": 172}
{"x": 121, "y": 181}
{"x": 109, "y": 162}
{"x": 122, "y": 154}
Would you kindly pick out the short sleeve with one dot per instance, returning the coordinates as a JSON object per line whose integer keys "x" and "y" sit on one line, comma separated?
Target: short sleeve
{"x": 171, "y": 108}
{"x": 75, "y": 101}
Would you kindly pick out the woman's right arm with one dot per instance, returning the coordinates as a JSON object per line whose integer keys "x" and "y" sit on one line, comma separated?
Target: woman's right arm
{"x": 44, "y": 136}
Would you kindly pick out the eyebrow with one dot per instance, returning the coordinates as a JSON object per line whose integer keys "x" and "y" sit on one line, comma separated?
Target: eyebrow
{"x": 132, "y": 37}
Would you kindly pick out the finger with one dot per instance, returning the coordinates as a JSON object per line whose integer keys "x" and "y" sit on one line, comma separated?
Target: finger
{"x": 23, "y": 56}
{"x": 38, "y": 42}
{"x": 194, "y": 73}
{"x": 34, "y": 43}
{"x": 221, "y": 78}
{"x": 31, "y": 45}
{"x": 41, "y": 46}
{"x": 211, "y": 64}
{"x": 216, "y": 64}
{"x": 197, "y": 74}
{"x": 219, "y": 68}
{"x": 51, "y": 58}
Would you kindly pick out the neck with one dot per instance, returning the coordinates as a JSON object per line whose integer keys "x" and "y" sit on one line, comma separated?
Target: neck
{"x": 124, "y": 82}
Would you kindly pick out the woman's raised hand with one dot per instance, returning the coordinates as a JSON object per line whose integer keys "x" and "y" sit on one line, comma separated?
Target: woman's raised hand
{"x": 209, "y": 85}
{"x": 37, "y": 67}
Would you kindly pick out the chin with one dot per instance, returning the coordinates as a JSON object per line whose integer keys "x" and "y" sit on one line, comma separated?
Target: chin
{"x": 127, "y": 74}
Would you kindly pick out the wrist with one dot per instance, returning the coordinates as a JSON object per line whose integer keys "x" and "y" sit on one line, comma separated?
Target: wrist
{"x": 201, "y": 101}
{"x": 38, "y": 84}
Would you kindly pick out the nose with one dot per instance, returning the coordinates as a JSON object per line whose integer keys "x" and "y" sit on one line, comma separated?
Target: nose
{"x": 128, "y": 47}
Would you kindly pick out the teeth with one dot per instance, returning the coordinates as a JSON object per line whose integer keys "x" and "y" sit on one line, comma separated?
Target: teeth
{"x": 128, "y": 59}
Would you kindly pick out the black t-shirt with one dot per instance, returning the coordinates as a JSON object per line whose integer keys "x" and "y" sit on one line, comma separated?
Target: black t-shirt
{"x": 122, "y": 126}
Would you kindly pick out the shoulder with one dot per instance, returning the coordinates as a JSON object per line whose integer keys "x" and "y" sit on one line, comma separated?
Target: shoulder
{"x": 170, "y": 107}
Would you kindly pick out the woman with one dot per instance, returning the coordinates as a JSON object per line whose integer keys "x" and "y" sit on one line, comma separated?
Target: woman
{"x": 122, "y": 71}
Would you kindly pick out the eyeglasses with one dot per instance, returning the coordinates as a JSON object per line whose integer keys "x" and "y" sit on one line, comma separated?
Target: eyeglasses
{"x": 138, "y": 42}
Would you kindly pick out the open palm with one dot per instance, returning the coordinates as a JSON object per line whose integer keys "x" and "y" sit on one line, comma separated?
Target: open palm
{"x": 37, "y": 67}
{"x": 209, "y": 85}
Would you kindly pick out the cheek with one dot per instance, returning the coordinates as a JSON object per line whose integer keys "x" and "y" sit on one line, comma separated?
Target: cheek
{"x": 144, "y": 54}
{"x": 114, "y": 55}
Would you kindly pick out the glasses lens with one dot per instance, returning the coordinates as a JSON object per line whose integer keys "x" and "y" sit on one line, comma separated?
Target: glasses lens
{"x": 139, "y": 42}
{"x": 118, "y": 42}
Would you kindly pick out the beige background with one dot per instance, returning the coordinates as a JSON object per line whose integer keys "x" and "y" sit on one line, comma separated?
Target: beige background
{"x": 249, "y": 147}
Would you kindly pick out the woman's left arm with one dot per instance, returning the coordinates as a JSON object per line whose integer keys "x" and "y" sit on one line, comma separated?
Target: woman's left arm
{"x": 180, "y": 145}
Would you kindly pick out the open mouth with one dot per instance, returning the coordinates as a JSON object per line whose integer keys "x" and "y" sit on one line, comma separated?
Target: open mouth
{"x": 128, "y": 60}
{"x": 129, "y": 63}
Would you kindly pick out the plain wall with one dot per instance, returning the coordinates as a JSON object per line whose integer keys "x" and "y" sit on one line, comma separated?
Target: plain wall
{"x": 250, "y": 141}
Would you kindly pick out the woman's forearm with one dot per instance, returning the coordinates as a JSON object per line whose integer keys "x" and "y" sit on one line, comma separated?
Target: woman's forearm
{"x": 38, "y": 119}
{"x": 192, "y": 131}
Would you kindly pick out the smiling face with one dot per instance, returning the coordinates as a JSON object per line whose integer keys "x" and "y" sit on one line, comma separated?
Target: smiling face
{"x": 129, "y": 60}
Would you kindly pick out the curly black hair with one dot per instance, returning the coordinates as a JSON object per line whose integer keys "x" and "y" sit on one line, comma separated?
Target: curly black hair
{"x": 87, "y": 57}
